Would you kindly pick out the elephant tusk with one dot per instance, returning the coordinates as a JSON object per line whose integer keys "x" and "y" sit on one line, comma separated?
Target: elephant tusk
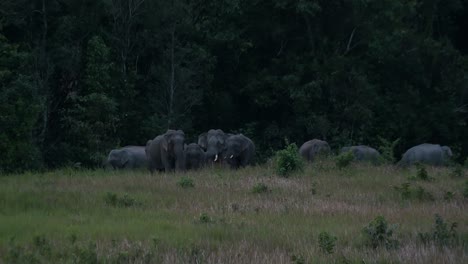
{"x": 232, "y": 156}
{"x": 216, "y": 157}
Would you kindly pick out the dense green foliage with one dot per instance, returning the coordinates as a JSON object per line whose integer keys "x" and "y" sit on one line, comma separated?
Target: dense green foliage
{"x": 344, "y": 159}
{"x": 380, "y": 233}
{"x": 288, "y": 161}
{"x": 80, "y": 77}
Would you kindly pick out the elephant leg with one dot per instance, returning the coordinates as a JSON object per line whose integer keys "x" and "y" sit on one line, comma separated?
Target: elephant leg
{"x": 166, "y": 161}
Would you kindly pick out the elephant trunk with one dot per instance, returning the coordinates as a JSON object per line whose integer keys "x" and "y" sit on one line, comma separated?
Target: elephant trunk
{"x": 179, "y": 157}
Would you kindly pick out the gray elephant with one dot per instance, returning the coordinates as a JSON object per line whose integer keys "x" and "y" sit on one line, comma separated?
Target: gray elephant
{"x": 167, "y": 151}
{"x": 430, "y": 154}
{"x": 129, "y": 157}
{"x": 363, "y": 153}
{"x": 239, "y": 151}
{"x": 213, "y": 142}
{"x": 310, "y": 149}
{"x": 153, "y": 154}
{"x": 194, "y": 156}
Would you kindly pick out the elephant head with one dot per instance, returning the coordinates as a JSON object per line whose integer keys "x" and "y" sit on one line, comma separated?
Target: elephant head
{"x": 213, "y": 142}
{"x": 118, "y": 158}
{"x": 447, "y": 152}
{"x": 194, "y": 156}
{"x": 239, "y": 151}
{"x": 173, "y": 146}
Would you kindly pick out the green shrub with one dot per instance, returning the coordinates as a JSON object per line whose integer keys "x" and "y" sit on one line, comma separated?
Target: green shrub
{"x": 298, "y": 259}
{"x": 422, "y": 172}
{"x": 466, "y": 162}
{"x": 260, "y": 188}
{"x": 112, "y": 199}
{"x": 448, "y": 196}
{"x": 344, "y": 159}
{"x": 441, "y": 234}
{"x": 379, "y": 233}
{"x": 327, "y": 242}
{"x": 288, "y": 161}
{"x": 408, "y": 193}
{"x": 86, "y": 255}
{"x": 404, "y": 190}
{"x": 457, "y": 171}
{"x": 42, "y": 245}
{"x": 204, "y": 218}
{"x": 186, "y": 182}
{"x": 423, "y": 195}
{"x": 313, "y": 189}
{"x": 387, "y": 149}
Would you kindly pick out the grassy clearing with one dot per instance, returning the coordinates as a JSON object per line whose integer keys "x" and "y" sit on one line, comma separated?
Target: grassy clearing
{"x": 65, "y": 216}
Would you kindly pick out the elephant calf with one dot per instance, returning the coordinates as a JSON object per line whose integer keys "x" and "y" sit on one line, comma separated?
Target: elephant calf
{"x": 310, "y": 149}
{"x": 363, "y": 153}
{"x": 430, "y": 154}
{"x": 129, "y": 157}
{"x": 194, "y": 156}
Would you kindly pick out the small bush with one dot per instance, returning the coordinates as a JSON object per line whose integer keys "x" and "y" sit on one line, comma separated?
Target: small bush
{"x": 260, "y": 188}
{"x": 112, "y": 199}
{"x": 298, "y": 259}
{"x": 423, "y": 195}
{"x": 313, "y": 189}
{"x": 408, "y": 193}
{"x": 344, "y": 159}
{"x": 327, "y": 242}
{"x": 288, "y": 161}
{"x": 42, "y": 245}
{"x": 387, "y": 149}
{"x": 379, "y": 233}
{"x": 404, "y": 190}
{"x": 466, "y": 162}
{"x": 422, "y": 173}
{"x": 87, "y": 255}
{"x": 457, "y": 171}
{"x": 204, "y": 218}
{"x": 448, "y": 196}
{"x": 441, "y": 234}
{"x": 186, "y": 182}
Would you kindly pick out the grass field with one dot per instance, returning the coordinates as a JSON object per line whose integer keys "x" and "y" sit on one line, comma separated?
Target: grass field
{"x": 245, "y": 216}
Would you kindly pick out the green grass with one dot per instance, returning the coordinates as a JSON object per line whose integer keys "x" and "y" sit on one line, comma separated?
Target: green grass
{"x": 162, "y": 223}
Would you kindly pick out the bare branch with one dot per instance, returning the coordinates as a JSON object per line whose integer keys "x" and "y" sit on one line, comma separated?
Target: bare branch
{"x": 348, "y": 47}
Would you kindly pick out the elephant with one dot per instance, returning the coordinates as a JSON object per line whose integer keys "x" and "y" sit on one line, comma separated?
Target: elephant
{"x": 213, "y": 142}
{"x": 239, "y": 151}
{"x": 167, "y": 151}
{"x": 430, "y": 154}
{"x": 363, "y": 153}
{"x": 194, "y": 156}
{"x": 129, "y": 157}
{"x": 154, "y": 157}
{"x": 312, "y": 148}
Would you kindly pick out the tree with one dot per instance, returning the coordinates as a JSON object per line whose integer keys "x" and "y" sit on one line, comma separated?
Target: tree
{"x": 19, "y": 110}
{"x": 92, "y": 115}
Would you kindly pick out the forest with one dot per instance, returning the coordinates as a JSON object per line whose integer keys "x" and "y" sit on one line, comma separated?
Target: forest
{"x": 81, "y": 77}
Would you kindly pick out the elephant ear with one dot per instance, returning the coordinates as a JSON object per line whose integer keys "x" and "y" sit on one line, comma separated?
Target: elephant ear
{"x": 124, "y": 158}
{"x": 203, "y": 141}
{"x": 165, "y": 141}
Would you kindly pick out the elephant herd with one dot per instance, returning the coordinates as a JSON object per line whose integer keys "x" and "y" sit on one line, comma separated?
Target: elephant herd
{"x": 169, "y": 152}
{"x": 430, "y": 154}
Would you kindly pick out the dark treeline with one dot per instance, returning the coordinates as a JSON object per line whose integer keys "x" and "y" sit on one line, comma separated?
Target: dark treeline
{"x": 80, "y": 77}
